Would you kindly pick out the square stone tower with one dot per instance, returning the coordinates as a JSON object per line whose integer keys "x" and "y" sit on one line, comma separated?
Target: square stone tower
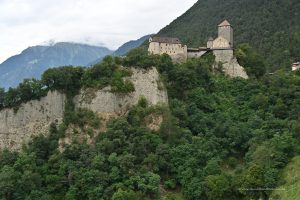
{"x": 225, "y": 30}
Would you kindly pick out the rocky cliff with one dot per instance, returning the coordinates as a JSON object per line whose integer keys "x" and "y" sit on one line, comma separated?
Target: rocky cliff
{"x": 230, "y": 65}
{"x": 32, "y": 118}
{"x": 35, "y": 117}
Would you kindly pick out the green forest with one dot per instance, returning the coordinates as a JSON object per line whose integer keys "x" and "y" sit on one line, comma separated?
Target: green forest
{"x": 220, "y": 139}
{"x": 271, "y": 26}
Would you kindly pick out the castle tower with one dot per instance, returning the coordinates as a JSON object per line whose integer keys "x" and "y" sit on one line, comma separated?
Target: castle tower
{"x": 225, "y": 30}
{"x": 210, "y": 43}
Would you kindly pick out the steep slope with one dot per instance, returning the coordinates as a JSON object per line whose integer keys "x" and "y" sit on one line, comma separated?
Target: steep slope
{"x": 33, "y": 61}
{"x": 34, "y": 117}
{"x": 270, "y": 26}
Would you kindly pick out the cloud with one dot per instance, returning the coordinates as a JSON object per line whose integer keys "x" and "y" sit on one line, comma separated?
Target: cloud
{"x": 26, "y": 23}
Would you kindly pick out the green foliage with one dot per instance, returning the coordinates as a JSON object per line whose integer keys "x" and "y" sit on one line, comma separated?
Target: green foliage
{"x": 65, "y": 79}
{"x": 219, "y": 187}
{"x": 2, "y": 98}
{"x": 70, "y": 80}
{"x": 220, "y": 138}
{"x": 138, "y": 57}
{"x": 118, "y": 85}
{"x": 27, "y": 90}
{"x": 251, "y": 61}
{"x": 82, "y": 117}
{"x": 289, "y": 190}
{"x": 126, "y": 195}
{"x": 270, "y": 26}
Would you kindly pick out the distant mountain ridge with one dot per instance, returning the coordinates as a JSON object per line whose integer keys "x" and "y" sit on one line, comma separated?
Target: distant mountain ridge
{"x": 125, "y": 48}
{"x": 33, "y": 61}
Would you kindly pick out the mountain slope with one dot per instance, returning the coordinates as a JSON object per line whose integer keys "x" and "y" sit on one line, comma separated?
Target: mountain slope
{"x": 126, "y": 47}
{"x": 33, "y": 61}
{"x": 270, "y": 26}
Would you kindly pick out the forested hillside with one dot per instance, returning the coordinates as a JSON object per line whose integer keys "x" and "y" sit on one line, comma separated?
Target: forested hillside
{"x": 220, "y": 138}
{"x": 271, "y": 26}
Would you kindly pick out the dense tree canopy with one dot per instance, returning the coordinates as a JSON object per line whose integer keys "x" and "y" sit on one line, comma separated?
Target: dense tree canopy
{"x": 270, "y": 26}
{"x": 220, "y": 138}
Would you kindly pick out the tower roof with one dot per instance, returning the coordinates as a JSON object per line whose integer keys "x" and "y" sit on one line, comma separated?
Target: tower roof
{"x": 224, "y": 23}
{"x": 210, "y": 39}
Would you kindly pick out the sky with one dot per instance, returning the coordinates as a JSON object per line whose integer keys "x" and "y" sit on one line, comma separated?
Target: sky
{"x": 109, "y": 23}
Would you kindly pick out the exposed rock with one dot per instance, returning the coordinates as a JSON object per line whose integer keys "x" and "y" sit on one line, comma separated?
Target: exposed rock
{"x": 86, "y": 134}
{"x": 35, "y": 117}
{"x": 146, "y": 83}
{"x": 154, "y": 121}
{"x": 30, "y": 119}
{"x": 230, "y": 64}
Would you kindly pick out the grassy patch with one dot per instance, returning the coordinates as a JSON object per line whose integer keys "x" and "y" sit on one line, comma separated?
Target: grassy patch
{"x": 290, "y": 190}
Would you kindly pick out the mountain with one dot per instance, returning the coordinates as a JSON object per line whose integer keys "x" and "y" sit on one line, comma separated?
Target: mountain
{"x": 179, "y": 131}
{"x": 33, "y": 61}
{"x": 125, "y": 48}
{"x": 270, "y": 26}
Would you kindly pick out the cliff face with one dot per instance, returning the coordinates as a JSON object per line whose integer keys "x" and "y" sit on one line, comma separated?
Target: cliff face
{"x": 35, "y": 117}
{"x": 230, "y": 64}
{"x": 30, "y": 119}
{"x": 146, "y": 83}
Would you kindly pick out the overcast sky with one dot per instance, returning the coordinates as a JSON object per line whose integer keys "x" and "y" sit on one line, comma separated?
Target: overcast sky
{"x": 110, "y": 23}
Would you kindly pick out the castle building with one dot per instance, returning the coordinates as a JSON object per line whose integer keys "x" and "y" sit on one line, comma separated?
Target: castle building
{"x": 222, "y": 47}
{"x": 177, "y": 51}
{"x": 167, "y": 45}
{"x": 225, "y": 33}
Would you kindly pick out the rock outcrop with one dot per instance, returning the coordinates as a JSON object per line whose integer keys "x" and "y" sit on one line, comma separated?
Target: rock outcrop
{"x": 230, "y": 64}
{"x": 32, "y": 118}
{"x": 146, "y": 83}
{"x": 35, "y": 117}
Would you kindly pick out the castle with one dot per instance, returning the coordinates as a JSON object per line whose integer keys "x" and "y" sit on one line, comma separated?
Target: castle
{"x": 222, "y": 47}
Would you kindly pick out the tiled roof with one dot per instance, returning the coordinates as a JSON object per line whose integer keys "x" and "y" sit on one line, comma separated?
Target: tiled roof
{"x": 225, "y": 23}
{"x": 166, "y": 40}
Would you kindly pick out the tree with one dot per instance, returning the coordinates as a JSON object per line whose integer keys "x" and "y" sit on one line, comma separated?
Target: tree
{"x": 253, "y": 62}
{"x": 2, "y": 98}
{"x": 66, "y": 79}
{"x": 126, "y": 195}
{"x": 8, "y": 179}
{"x": 252, "y": 182}
{"x": 218, "y": 187}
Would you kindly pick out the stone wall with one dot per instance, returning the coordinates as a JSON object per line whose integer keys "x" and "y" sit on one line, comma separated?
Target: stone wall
{"x": 32, "y": 118}
{"x": 230, "y": 65}
{"x": 177, "y": 52}
{"x": 196, "y": 54}
{"x": 227, "y": 33}
{"x": 35, "y": 117}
